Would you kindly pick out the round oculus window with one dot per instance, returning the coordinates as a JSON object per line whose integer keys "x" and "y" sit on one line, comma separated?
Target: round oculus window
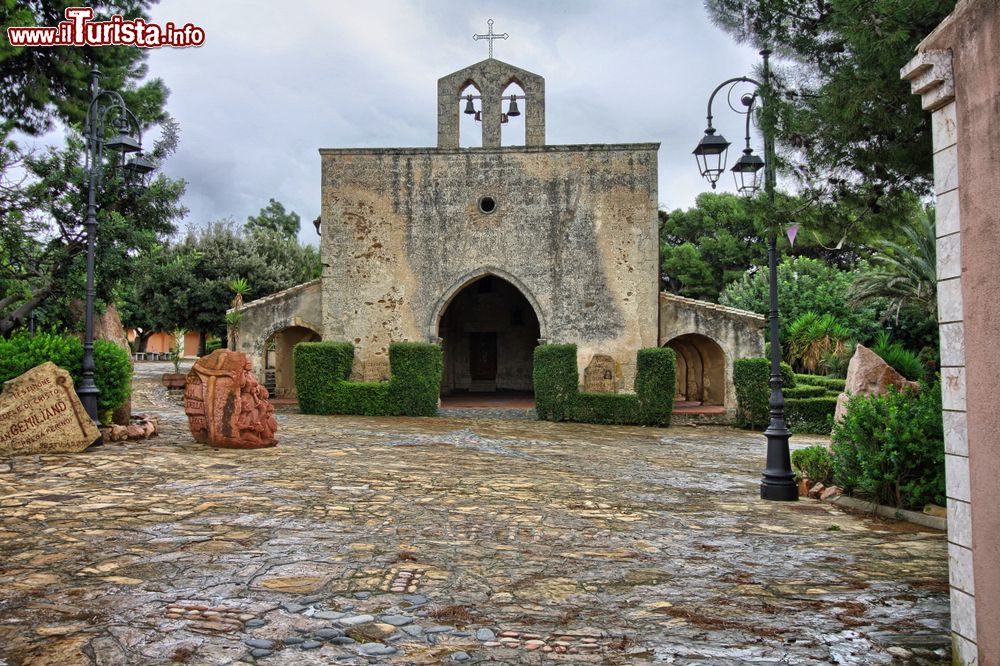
{"x": 487, "y": 205}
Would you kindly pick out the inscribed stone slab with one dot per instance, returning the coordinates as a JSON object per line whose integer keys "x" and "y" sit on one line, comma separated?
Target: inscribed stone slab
{"x": 41, "y": 413}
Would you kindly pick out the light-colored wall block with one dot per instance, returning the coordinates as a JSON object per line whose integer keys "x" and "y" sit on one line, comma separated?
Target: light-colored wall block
{"x": 960, "y": 522}
{"x": 956, "y": 434}
{"x": 960, "y": 568}
{"x": 952, "y": 338}
{"x": 946, "y": 170}
{"x": 957, "y": 476}
{"x": 949, "y": 300}
{"x": 949, "y": 257}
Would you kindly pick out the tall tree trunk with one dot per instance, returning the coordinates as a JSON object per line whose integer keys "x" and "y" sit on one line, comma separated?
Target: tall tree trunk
{"x": 202, "y": 342}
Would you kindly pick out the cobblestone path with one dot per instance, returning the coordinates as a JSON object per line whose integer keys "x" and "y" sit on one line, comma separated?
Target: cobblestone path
{"x": 422, "y": 541}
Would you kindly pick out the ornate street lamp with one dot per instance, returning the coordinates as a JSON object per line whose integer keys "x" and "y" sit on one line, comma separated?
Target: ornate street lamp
{"x": 107, "y": 110}
{"x": 778, "y": 482}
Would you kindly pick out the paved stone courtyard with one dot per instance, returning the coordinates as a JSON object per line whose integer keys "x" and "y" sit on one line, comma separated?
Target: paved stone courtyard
{"x": 369, "y": 540}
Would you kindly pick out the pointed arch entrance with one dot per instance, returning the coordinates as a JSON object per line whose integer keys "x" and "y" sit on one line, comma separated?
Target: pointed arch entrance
{"x": 489, "y": 330}
{"x": 701, "y": 370}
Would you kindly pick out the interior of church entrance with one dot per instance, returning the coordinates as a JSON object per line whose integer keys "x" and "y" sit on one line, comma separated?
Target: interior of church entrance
{"x": 279, "y": 369}
{"x": 701, "y": 371}
{"x": 489, "y": 333}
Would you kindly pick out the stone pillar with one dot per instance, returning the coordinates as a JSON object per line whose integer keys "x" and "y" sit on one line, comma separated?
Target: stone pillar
{"x": 930, "y": 75}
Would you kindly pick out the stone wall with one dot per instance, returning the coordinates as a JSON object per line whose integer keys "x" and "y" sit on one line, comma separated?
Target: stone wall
{"x": 299, "y": 306}
{"x": 574, "y": 229}
{"x": 698, "y": 331}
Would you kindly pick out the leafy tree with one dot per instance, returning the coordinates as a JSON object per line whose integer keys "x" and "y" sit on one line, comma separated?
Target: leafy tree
{"x": 189, "y": 284}
{"x": 723, "y": 236}
{"x": 41, "y": 85}
{"x": 274, "y": 218}
{"x": 806, "y": 285}
{"x": 846, "y": 124}
{"x": 906, "y": 272}
{"x": 43, "y": 239}
{"x": 707, "y": 246}
{"x": 43, "y": 194}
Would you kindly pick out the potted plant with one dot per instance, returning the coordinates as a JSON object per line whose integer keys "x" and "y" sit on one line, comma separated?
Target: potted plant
{"x": 175, "y": 379}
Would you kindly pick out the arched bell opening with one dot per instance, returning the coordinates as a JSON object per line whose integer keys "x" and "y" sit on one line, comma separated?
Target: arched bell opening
{"x": 279, "y": 367}
{"x": 489, "y": 332}
{"x": 701, "y": 370}
{"x": 470, "y": 127}
{"x": 513, "y": 104}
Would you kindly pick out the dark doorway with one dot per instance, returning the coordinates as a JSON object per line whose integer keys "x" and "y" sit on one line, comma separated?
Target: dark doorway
{"x": 489, "y": 333}
{"x": 483, "y": 356}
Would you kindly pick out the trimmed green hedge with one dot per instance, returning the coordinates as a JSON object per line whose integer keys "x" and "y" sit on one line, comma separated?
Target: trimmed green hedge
{"x": 556, "y": 381}
{"x": 322, "y": 369}
{"x": 655, "y": 384}
{"x": 415, "y": 387}
{"x": 832, "y": 383}
{"x": 804, "y": 391}
{"x": 606, "y": 408}
{"x": 814, "y": 415}
{"x": 751, "y": 377}
{"x": 112, "y": 364}
{"x": 557, "y": 395}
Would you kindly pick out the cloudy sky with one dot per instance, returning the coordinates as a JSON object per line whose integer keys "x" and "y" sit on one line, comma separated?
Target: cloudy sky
{"x": 276, "y": 81}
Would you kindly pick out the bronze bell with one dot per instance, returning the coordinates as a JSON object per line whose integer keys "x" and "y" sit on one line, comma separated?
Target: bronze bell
{"x": 469, "y": 109}
{"x": 512, "y": 110}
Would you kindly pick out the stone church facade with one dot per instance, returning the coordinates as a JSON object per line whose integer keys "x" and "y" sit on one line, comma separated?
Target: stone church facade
{"x": 492, "y": 250}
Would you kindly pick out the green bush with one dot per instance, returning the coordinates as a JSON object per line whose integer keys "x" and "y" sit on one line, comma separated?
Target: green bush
{"x": 751, "y": 377}
{"x": 112, "y": 374}
{"x": 22, "y": 352}
{"x": 112, "y": 364}
{"x": 557, "y": 396}
{"x": 812, "y": 415}
{"x": 607, "y": 408}
{"x": 321, "y": 380}
{"x": 804, "y": 391}
{"x": 212, "y": 344}
{"x": 814, "y": 463}
{"x": 890, "y": 448}
{"x": 832, "y": 383}
{"x": 655, "y": 384}
{"x": 319, "y": 367}
{"x": 556, "y": 381}
{"x": 415, "y": 387}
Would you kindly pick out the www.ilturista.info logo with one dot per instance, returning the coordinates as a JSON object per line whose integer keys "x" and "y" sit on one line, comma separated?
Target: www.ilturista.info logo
{"x": 79, "y": 30}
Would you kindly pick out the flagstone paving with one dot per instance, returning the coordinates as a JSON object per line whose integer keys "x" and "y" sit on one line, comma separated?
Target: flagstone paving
{"x": 420, "y": 541}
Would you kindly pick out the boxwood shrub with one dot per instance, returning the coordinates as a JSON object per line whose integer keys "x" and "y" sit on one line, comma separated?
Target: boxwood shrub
{"x": 112, "y": 364}
{"x": 322, "y": 370}
{"x": 655, "y": 384}
{"x": 417, "y": 369}
{"x": 558, "y": 398}
{"x": 804, "y": 391}
{"x": 832, "y": 383}
{"x": 556, "y": 381}
{"x": 813, "y": 415}
{"x": 814, "y": 463}
{"x": 751, "y": 377}
{"x": 606, "y": 408}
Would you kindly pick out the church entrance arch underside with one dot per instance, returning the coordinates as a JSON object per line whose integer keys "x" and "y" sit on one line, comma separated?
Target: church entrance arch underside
{"x": 489, "y": 332}
{"x": 279, "y": 368}
{"x": 701, "y": 370}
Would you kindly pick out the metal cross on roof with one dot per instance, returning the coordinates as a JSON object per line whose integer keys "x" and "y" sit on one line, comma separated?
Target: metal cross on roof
{"x": 490, "y": 36}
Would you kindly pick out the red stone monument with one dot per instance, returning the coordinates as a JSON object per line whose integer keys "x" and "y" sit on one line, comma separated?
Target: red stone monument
{"x": 225, "y": 405}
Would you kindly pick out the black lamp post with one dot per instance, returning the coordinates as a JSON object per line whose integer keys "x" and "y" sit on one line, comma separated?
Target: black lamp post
{"x": 105, "y": 105}
{"x": 778, "y": 482}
